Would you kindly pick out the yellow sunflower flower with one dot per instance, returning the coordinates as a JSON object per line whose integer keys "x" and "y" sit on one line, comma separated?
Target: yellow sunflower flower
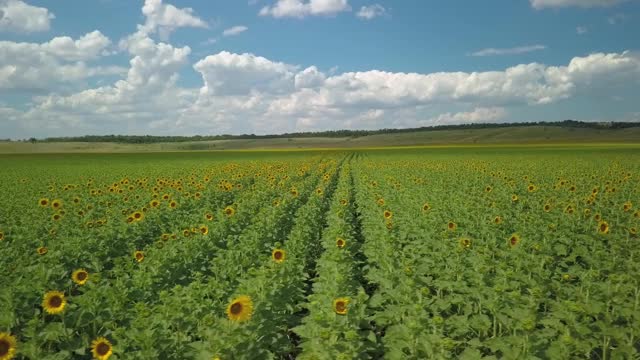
{"x": 240, "y": 309}
{"x": 8, "y": 345}
{"x": 80, "y": 276}
{"x": 101, "y": 348}
{"x": 278, "y": 255}
{"x": 54, "y": 302}
{"x": 340, "y": 306}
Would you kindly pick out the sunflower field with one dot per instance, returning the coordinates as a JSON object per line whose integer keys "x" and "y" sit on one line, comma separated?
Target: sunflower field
{"x": 443, "y": 253}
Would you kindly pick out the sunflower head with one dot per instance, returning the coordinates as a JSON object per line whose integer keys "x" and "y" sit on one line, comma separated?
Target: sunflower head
{"x": 101, "y": 348}
{"x": 138, "y": 255}
{"x": 569, "y": 209}
{"x": 208, "y": 216}
{"x": 389, "y": 224}
{"x": 294, "y": 192}
{"x": 627, "y": 206}
{"x": 56, "y": 217}
{"x": 54, "y": 302}
{"x": 154, "y": 203}
{"x": 603, "y": 227}
{"x": 80, "y": 276}
{"x": 137, "y": 216}
{"x": 341, "y": 306}
{"x": 531, "y": 188}
{"x": 514, "y": 197}
{"x": 633, "y": 231}
{"x": 229, "y": 211}
{"x": 56, "y": 204}
{"x": 278, "y": 255}
{"x": 8, "y": 345}
{"x": 451, "y": 226}
{"x": 426, "y": 207}
{"x": 44, "y": 202}
{"x": 340, "y": 242}
{"x": 465, "y": 243}
{"x": 204, "y": 230}
{"x": 586, "y": 212}
{"x": 547, "y": 207}
{"x": 487, "y": 189}
{"x": 497, "y": 220}
{"x": 42, "y": 250}
{"x": 1, "y": 236}
{"x": 387, "y": 214}
{"x": 173, "y": 205}
{"x": 380, "y": 202}
{"x": 514, "y": 240}
{"x": 240, "y": 309}
{"x": 597, "y": 217}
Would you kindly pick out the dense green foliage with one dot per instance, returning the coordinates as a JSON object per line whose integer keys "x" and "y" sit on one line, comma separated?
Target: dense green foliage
{"x": 425, "y": 253}
{"x": 148, "y": 139}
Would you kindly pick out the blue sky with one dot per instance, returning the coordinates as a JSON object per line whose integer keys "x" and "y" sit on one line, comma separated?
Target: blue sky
{"x": 269, "y": 66}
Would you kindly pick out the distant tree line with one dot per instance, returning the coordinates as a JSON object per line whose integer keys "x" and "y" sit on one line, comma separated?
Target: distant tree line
{"x": 149, "y": 139}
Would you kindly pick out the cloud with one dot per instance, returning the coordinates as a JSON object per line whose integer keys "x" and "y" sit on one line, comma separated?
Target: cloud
{"x": 166, "y": 18}
{"x": 302, "y": 8}
{"x": 239, "y": 74}
{"x": 235, "y": 30}
{"x": 18, "y": 16}
{"x": 581, "y": 30}
{"x": 370, "y": 12}
{"x": 541, "y": 4}
{"x": 508, "y": 51}
{"x": 62, "y": 60}
{"x": 616, "y": 19}
{"x": 477, "y": 115}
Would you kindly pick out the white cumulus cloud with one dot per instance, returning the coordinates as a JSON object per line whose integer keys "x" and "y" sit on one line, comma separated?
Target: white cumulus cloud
{"x": 18, "y": 16}
{"x": 302, "y": 8}
{"x": 166, "y": 18}
{"x": 371, "y": 11}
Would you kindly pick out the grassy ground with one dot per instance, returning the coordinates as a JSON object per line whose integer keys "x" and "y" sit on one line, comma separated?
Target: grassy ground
{"x": 514, "y": 135}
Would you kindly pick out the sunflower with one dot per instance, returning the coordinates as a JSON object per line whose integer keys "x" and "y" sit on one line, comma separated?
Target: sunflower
{"x": 138, "y": 216}
{"x": 173, "y": 204}
{"x": 80, "y": 276}
{"x": 138, "y": 255}
{"x": 633, "y": 231}
{"x": 597, "y": 217}
{"x": 44, "y": 202}
{"x": 208, "y": 216}
{"x": 636, "y": 214}
{"x": 229, "y": 211}
{"x": 426, "y": 207}
{"x": 340, "y": 242}
{"x": 451, "y": 226}
{"x": 154, "y": 203}
{"x": 165, "y": 197}
{"x": 514, "y": 197}
{"x": 319, "y": 191}
{"x": 54, "y": 302}
{"x": 8, "y": 346}
{"x": 569, "y": 209}
{"x": 531, "y": 188}
{"x": 572, "y": 188}
{"x": 487, "y": 189}
{"x": 389, "y": 224}
{"x": 278, "y": 255}
{"x": 387, "y": 214}
{"x": 240, "y": 309}
{"x": 380, "y": 202}
{"x": 497, "y": 220}
{"x": 344, "y": 202}
{"x": 340, "y": 306}
{"x": 56, "y": 217}
{"x": 514, "y": 240}
{"x": 101, "y": 348}
{"x": 294, "y": 192}
{"x": 603, "y": 227}
{"x": 204, "y": 230}
{"x": 627, "y": 206}
{"x": 56, "y": 204}
{"x": 42, "y": 250}
{"x": 186, "y": 232}
{"x": 465, "y": 243}
{"x": 1, "y": 236}
{"x": 547, "y": 207}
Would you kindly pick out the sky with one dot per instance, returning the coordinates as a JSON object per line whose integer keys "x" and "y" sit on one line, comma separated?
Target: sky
{"x": 187, "y": 67}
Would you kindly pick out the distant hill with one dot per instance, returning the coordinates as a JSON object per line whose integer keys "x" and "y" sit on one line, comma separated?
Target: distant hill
{"x": 148, "y": 139}
{"x": 466, "y": 135}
